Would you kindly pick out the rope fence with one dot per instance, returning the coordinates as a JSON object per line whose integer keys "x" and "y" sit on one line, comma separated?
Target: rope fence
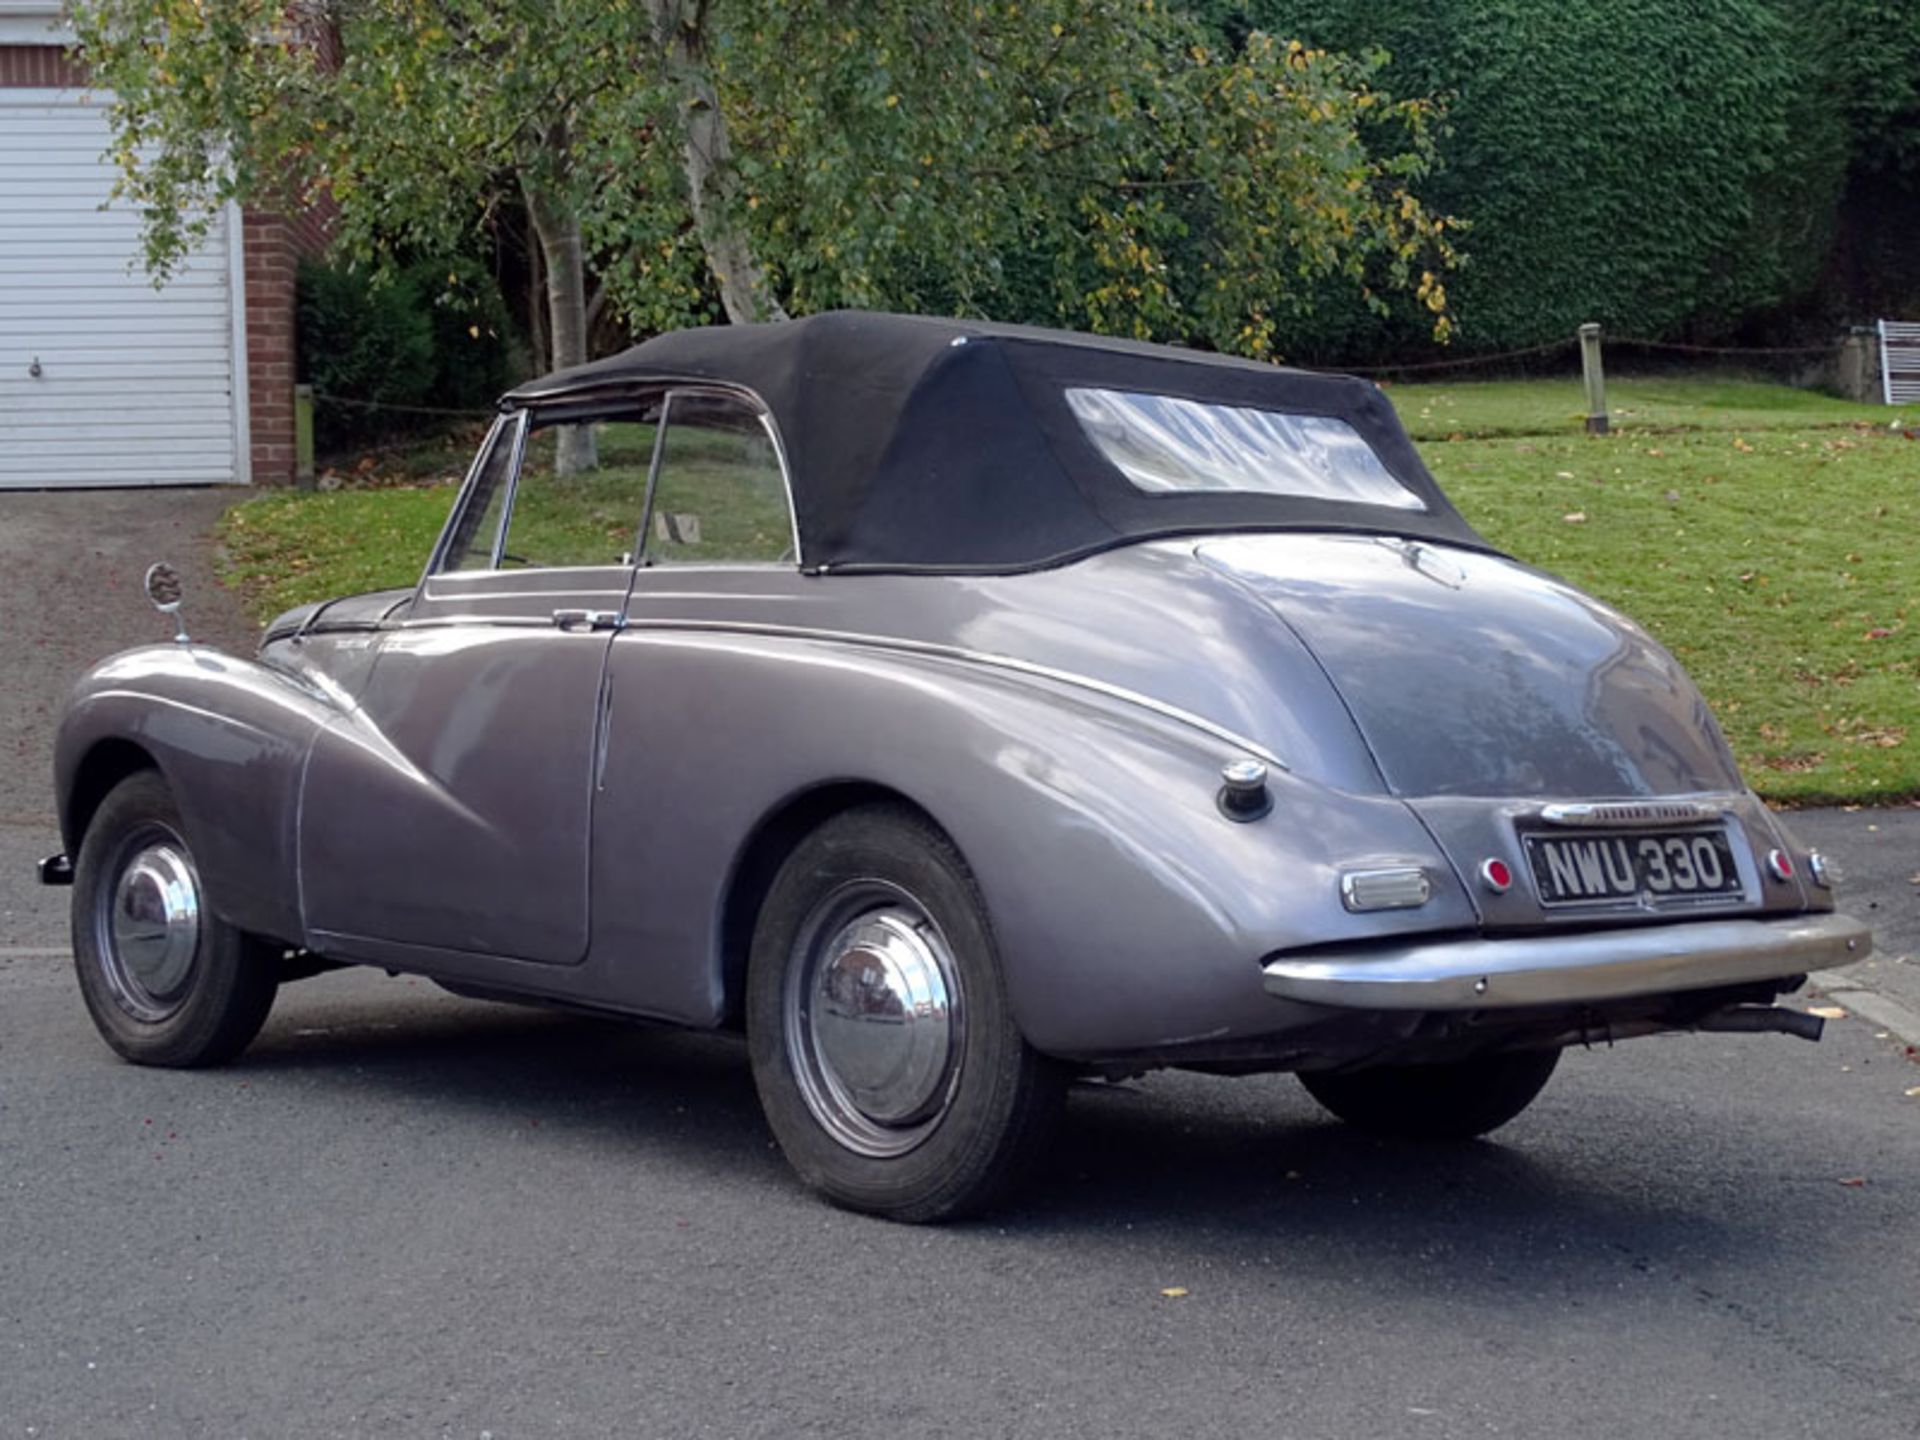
{"x": 1552, "y": 347}
{"x": 1556, "y": 347}
{"x": 1848, "y": 354}
{"x": 1589, "y": 342}
{"x": 320, "y": 398}
{"x": 1411, "y": 367}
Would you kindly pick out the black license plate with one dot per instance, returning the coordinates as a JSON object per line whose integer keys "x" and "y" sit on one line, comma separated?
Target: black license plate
{"x": 1663, "y": 866}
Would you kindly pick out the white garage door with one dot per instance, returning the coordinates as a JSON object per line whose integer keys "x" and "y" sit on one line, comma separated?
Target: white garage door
{"x": 134, "y": 386}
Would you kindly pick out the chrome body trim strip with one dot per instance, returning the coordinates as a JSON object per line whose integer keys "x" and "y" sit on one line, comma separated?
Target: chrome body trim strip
{"x": 515, "y": 463}
{"x": 436, "y": 558}
{"x": 962, "y": 655}
{"x": 1632, "y": 812}
{"x": 903, "y": 646}
{"x": 1477, "y": 973}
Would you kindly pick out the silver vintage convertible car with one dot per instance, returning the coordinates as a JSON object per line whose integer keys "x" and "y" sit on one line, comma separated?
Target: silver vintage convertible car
{"x": 953, "y": 708}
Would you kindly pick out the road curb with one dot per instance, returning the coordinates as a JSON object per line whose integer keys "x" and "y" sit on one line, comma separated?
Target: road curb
{"x": 1849, "y": 995}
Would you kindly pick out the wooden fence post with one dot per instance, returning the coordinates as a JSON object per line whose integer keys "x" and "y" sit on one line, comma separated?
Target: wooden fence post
{"x": 1594, "y": 377}
{"x": 303, "y": 436}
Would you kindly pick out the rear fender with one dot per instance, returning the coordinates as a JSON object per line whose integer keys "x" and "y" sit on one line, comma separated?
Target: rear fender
{"x": 1130, "y": 912}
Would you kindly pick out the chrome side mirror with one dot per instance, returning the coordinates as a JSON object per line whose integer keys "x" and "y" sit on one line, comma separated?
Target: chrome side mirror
{"x": 164, "y": 589}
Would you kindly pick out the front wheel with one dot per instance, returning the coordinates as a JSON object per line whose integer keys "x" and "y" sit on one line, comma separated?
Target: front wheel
{"x": 1454, "y": 1101}
{"x": 166, "y": 981}
{"x": 883, "y": 1043}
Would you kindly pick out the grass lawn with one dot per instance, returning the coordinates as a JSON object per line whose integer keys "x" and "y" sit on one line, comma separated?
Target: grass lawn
{"x": 1766, "y": 535}
{"x": 1493, "y": 408}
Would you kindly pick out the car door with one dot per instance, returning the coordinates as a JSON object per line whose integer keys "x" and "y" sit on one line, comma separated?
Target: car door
{"x": 451, "y": 809}
{"x": 719, "y": 549}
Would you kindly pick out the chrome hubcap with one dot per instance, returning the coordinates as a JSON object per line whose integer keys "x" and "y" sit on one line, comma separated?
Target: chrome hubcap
{"x": 874, "y": 1019}
{"x": 149, "y": 929}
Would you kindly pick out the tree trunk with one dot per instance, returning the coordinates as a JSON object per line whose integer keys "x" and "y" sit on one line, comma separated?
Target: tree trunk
{"x": 680, "y": 26}
{"x": 558, "y": 229}
{"x": 536, "y": 298}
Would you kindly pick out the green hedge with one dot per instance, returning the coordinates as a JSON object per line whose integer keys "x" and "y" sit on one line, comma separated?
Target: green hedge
{"x": 381, "y": 351}
{"x": 1664, "y": 166}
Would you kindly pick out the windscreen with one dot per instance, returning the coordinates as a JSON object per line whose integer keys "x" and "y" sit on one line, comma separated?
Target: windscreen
{"x": 1167, "y": 445}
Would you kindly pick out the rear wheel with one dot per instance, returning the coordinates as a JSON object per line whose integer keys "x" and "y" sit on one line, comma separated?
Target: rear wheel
{"x": 1454, "y": 1101}
{"x": 166, "y": 981}
{"x": 883, "y": 1044}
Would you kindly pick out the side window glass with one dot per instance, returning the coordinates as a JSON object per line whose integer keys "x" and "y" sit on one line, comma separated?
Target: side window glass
{"x": 720, "y": 496}
{"x": 471, "y": 547}
{"x": 580, "y": 495}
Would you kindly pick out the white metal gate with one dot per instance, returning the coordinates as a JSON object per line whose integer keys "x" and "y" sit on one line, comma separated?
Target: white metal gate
{"x": 1900, "y": 361}
{"x": 103, "y": 379}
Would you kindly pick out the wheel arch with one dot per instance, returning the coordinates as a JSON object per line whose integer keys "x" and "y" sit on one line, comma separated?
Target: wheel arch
{"x": 229, "y": 737}
{"x": 766, "y": 849}
{"x": 104, "y": 765}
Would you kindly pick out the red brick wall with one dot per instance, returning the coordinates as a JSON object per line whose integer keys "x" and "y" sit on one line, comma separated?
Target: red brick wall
{"x": 270, "y": 261}
{"x": 38, "y": 67}
{"x": 275, "y": 246}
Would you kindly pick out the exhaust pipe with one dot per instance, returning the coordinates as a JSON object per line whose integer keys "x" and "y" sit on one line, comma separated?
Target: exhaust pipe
{"x": 1756, "y": 1019}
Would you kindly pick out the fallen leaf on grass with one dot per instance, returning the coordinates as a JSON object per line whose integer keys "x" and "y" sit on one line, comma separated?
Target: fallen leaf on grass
{"x": 1576, "y": 517}
{"x": 1888, "y": 739}
{"x": 1828, "y": 1012}
{"x": 1791, "y": 764}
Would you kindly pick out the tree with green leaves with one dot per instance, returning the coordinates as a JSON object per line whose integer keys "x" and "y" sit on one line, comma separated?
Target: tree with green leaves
{"x": 1094, "y": 163}
{"x": 418, "y": 118}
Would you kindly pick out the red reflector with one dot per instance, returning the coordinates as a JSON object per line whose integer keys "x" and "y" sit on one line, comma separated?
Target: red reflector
{"x": 1781, "y": 864}
{"x": 1496, "y": 876}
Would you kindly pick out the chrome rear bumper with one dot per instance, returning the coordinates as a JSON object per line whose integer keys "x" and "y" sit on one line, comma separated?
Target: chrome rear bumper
{"x": 1481, "y": 974}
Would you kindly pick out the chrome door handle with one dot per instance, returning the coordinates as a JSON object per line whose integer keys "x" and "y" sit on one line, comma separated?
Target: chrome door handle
{"x": 586, "y": 619}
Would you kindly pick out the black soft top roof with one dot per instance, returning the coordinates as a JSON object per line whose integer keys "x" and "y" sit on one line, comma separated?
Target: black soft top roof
{"x": 917, "y": 443}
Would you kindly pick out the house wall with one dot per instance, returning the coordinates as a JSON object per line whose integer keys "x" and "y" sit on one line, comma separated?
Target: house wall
{"x": 272, "y": 245}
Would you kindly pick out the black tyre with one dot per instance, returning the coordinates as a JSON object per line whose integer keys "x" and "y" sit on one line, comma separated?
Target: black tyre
{"x": 166, "y": 980}
{"x": 1455, "y": 1101}
{"x": 883, "y": 1044}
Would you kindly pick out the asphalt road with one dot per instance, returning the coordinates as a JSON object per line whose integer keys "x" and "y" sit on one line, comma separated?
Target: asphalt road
{"x": 407, "y": 1215}
{"x": 403, "y": 1214}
